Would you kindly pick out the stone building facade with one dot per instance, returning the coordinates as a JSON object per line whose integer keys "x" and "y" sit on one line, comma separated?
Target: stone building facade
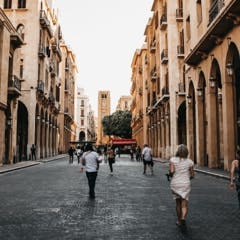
{"x": 84, "y": 117}
{"x": 124, "y": 103}
{"x": 35, "y": 119}
{"x": 10, "y": 87}
{"x": 190, "y": 80}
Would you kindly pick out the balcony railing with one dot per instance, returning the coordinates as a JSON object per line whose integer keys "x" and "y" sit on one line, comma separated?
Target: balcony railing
{"x": 163, "y": 22}
{"x": 14, "y": 86}
{"x": 181, "y": 88}
{"x": 153, "y": 46}
{"x": 180, "y": 51}
{"x": 179, "y": 14}
{"x": 41, "y": 51}
{"x": 40, "y": 86}
{"x": 154, "y": 73}
{"x": 215, "y": 8}
{"x": 45, "y": 23}
{"x": 164, "y": 56}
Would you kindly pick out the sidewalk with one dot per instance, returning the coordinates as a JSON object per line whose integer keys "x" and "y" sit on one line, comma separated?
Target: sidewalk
{"x": 24, "y": 164}
{"x": 220, "y": 173}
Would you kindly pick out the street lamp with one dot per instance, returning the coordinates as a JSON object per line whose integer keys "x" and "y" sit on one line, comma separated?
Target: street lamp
{"x": 212, "y": 81}
{"x": 189, "y": 99}
{"x": 229, "y": 68}
{"x": 199, "y": 92}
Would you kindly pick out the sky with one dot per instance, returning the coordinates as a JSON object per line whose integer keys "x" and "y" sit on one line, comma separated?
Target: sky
{"x": 104, "y": 35}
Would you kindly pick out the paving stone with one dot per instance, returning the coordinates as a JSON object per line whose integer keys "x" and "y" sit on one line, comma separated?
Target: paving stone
{"x": 50, "y": 201}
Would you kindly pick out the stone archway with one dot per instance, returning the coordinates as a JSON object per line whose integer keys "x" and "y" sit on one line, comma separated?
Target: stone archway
{"x": 231, "y": 105}
{"x": 201, "y": 121}
{"x": 215, "y": 116}
{"x": 22, "y": 132}
{"x": 182, "y": 134}
{"x": 191, "y": 115}
{"x": 82, "y": 136}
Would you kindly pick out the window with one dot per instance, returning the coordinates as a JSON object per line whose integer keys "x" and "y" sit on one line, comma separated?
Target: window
{"x": 20, "y": 30}
{"x": 21, "y": 69}
{"x": 82, "y": 122}
{"x": 188, "y": 32}
{"x": 82, "y": 113}
{"x": 21, "y": 3}
{"x": 199, "y": 11}
{"x": 82, "y": 103}
{"x": 7, "y": 4}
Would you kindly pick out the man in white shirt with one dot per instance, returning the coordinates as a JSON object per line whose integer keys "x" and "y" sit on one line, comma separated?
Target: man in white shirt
{"x": 90, "y": 160}
{"x": 147, "y": 158}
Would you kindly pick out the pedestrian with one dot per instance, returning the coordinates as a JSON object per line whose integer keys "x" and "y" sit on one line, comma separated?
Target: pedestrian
{"x": 111, "y": 159}
{"x": 70, "y": 153}
{"x": 138, "y": 154}
{"x": 181, "y": 171}
{"x": 90, "y": 159}
{"x": 235, "y": 170}
{"x": 33, "y": 152}
{"x": 147, "y": 158}
{"x": 79, "y": 153}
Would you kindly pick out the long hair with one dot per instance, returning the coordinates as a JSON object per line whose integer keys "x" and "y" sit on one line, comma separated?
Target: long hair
{"x": 182, "y": 151}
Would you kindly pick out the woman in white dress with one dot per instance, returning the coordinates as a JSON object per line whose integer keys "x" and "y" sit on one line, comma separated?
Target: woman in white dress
{"x": 181, "y": 170}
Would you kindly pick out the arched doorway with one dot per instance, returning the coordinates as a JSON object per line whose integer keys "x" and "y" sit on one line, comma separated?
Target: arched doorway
{"x": 202, "y": 121}
{"x": 233, "y": 96}
{"x": 182, "y": 134}
{"x": 192, "y": 122}
{"x": 22, "y": 132}
{"x": 215, "y": 127}
{"x": 82, "y": 136}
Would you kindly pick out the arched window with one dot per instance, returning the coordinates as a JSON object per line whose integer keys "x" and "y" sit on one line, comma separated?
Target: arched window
{"x": 7, "y": 4}
{"x": 21, "y": 3}
{"x": 20, "y": 30}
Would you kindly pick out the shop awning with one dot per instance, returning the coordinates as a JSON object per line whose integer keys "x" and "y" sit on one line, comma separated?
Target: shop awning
{"x": 125, "y": 141}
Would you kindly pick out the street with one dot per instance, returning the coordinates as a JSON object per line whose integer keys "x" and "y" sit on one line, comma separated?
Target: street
{"x": 50, "y": 201}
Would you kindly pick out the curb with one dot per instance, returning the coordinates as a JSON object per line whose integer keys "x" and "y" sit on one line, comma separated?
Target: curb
{"x": 17, "y": 167}
{"x": 201, "y": 171}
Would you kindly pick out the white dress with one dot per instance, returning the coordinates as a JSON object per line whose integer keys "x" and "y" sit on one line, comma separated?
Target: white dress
{"x": 180, "y": 182}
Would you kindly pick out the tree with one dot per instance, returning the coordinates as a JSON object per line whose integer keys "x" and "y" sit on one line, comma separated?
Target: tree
{"x": 118, "y": 124}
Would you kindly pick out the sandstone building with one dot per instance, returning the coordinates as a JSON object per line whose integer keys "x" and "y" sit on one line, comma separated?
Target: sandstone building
{"x": 34, "y": 113}
{"x": 188, "y": 72}
{"x": 124, "y": 103}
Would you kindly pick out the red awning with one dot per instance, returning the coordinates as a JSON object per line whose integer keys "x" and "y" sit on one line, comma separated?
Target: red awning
{"x": 124, "y": 141}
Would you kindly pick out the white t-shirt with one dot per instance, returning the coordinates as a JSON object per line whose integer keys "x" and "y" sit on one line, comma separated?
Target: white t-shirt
{"x": 147, "y": 153}
{"x": 91, "y": 161}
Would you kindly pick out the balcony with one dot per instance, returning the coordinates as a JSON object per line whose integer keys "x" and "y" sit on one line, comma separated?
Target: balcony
{"x": 163, "y": 22}
{"x": 153, "y": 46}
{"x": 215, "y": 8}
{"x": 140, "y": 91}
{"x": 56, "y": 49}
{"x": 164, "y": 56}
{"x": 41, "y": 51}
{"x": 40, "y": 86}
{"x": 165, "y": 93}
{"x": 223, "y": 23}
{"x": 179, "y": 14}
{"x": 45, "y": 23}
{"x": 180, "y": 51}
{"x": 51, "y": 99}
{"x": 181, "y": 89}
{"x": 154, "y": 74}
{"x": 52, "y": 69}
{"x": 14, "y": 86}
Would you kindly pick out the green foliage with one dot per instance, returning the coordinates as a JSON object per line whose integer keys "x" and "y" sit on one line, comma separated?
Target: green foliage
{"x": 118, "y": 124}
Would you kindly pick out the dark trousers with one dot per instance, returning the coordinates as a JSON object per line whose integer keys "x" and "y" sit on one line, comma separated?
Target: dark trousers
{"x": 238, "y": 191}
{"x": 91, "y": 176}
{"x": 110, "y": 162}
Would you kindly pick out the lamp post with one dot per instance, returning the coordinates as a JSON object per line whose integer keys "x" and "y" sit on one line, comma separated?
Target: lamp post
{"x": 212, "y": 81}
{"x": 229, "y": 68}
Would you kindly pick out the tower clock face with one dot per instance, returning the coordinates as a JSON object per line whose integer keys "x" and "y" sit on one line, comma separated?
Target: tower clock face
{"x": 104, "y": 103}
